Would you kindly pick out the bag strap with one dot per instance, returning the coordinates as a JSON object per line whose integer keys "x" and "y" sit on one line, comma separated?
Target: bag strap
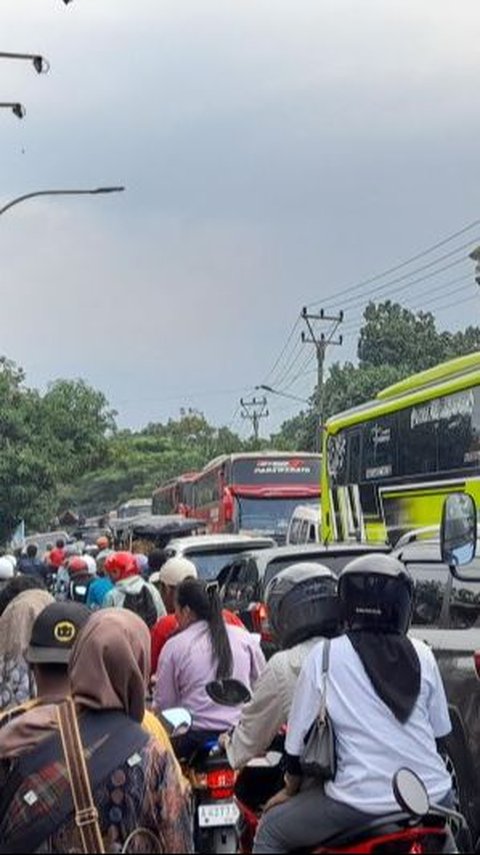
{"x": 114, "y": 740}
{"x": 325, "y": 666}
{"x": 86, "y": 814}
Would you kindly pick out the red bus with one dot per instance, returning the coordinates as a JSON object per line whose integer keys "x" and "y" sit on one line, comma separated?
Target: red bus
{"x": 175, "y": 496}
{"x": 256, "y": 492}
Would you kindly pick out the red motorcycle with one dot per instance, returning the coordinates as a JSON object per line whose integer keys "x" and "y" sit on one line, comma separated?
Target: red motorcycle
{"x": 417, "y": 827}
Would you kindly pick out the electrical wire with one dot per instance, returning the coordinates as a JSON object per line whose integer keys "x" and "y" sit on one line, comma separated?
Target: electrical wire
{"x": 387, "y": 287}
{"x": 394, "y": 269}
{"x": 350, "y": 324}
{"x": 284, "y": 349}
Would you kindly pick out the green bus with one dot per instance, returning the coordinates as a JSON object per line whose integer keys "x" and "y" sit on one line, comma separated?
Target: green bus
{"x": 389, "y": 464}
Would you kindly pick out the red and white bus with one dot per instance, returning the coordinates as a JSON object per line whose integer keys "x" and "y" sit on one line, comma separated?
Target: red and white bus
{"x": 256, "y": 492}
{"x": 175, "y": 496}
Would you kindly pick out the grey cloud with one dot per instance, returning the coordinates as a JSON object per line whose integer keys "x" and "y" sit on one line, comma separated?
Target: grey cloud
{"x": 273, "y": 151}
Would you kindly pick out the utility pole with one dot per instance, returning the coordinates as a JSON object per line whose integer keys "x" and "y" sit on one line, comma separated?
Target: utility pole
{"x": 254, "y": 410}
{"x": 321, "y": 344}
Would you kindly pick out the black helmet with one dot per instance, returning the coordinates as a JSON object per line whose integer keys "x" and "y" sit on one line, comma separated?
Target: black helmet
{"x": 302, "y": 603}
{"x": 376, "y": 594}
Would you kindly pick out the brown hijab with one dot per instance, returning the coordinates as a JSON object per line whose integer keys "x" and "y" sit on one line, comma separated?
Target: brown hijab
{"x": 110, "y": 663}
{"x": 17, "y": 621}
{"x": 109, "y": 669}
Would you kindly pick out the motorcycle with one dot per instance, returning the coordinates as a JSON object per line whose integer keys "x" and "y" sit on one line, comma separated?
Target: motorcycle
{"x": 417, "y": 827}
{"x": 215, "y": 812}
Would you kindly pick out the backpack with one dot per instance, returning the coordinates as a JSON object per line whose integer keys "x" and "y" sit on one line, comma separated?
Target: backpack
{"x": 143, "y": 605}
{"x": 79, "y": 590}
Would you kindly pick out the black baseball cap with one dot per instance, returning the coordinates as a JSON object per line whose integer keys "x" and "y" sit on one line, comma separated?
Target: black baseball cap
{"x": 54, "y": 633}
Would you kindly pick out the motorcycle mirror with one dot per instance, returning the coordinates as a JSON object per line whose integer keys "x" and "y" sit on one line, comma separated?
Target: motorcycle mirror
{"x": 458, "y": 534}
{"x": 410, "y": 793}
{"x": 228, "y": 693}
{"x": 178, "y": 721}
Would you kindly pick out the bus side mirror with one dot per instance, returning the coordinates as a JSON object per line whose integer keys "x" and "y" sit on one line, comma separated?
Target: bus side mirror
{"x": 458, "y": 535}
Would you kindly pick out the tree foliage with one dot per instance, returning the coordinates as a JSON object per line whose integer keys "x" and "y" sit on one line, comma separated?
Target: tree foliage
{"x": 394, "y": 342}
{"x": 139, "y": 462}
{"x": 44, "y": 440}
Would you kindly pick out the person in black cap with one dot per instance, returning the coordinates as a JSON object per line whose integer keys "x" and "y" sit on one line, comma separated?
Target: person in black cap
{"x": 53, "y": 635}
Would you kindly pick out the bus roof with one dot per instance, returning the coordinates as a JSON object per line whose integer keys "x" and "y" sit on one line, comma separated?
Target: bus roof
{"x": 457, "y": 375}
{"x": 444, "y": 371}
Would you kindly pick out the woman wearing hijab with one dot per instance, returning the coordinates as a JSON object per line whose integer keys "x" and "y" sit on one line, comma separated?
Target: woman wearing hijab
{"x": 386, "y": 704}
{"x": 16, "y": 682}
{"x": 136, "y": 785}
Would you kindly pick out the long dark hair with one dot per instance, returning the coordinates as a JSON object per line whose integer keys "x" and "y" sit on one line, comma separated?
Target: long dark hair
{"x": 204, "y": 601}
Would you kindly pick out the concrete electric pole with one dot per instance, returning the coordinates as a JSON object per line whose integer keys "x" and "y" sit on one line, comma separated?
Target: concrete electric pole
{"x": 254, "y": 410}
{"x": 321, "y": 343}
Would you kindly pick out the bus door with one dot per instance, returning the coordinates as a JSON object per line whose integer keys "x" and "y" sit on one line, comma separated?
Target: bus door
{"x": 347, "y": 514}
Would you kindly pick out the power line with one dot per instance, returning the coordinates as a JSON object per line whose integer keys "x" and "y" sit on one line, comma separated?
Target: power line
{"x": 401, "y": 265}
{"x": 406, "y": 276}
{"x": 361, "y": 304}
{"x": 283, "y": 351}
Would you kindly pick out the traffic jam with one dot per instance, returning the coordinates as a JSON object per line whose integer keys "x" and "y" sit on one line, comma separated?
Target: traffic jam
{"x": 277, "y": 653}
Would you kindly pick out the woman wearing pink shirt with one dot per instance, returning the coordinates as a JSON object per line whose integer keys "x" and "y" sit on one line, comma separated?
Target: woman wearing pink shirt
{"x": 203, "y": 651}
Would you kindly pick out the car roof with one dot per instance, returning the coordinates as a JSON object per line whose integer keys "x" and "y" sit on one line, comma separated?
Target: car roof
{"x": 218, "y": 541}
{"x": 420, "y": 550}
{"x": 423, "y": 550}
{"x": 315, "y": 550}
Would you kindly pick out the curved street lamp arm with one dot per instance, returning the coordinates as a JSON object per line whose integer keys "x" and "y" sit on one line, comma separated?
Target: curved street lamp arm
{"x": 98, "y": 190}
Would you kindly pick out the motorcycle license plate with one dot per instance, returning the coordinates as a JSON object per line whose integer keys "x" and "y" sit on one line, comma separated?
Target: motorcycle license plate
{"x": 215, "y": 815}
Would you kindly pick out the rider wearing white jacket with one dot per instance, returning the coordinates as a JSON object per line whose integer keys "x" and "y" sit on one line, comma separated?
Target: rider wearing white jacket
{"x": 303, "y": 608}
{"x": 386, "y": 704}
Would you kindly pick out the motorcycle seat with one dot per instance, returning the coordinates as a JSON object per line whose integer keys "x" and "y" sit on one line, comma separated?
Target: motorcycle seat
{"x": 381, "y": 827}
{"x": 206, "y": 757}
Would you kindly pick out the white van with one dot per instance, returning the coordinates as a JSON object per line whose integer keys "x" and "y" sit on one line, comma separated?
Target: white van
{"x": 304, "y": 525}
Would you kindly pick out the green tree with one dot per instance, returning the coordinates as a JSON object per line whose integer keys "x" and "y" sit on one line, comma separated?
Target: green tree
{"x": 138, "y": 462}
{"x": 394, "y": 342}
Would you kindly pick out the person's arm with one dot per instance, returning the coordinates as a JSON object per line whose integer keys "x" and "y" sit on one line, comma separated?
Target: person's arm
{"x": 306, "y": 704}
{"x": 109, "y": 600}
{"x": 166, "y": 695}
{"x": 437, "y": 701}
{"x": 257, "y": 659}
{"x": 261, "y": 720}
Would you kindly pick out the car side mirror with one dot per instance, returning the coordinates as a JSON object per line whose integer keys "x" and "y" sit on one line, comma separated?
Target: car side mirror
{"x": 458, "y": 535}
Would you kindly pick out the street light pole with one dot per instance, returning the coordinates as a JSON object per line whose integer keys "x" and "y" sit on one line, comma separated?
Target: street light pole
{"x": 95, "y": 192}
{"x": 40, "y": 64}
{"x": 17, "y": 109}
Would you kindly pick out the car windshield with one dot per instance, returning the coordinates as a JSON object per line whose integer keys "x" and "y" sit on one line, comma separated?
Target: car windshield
{"x": 209, "y": 564}
{"x": 268, "y": 515}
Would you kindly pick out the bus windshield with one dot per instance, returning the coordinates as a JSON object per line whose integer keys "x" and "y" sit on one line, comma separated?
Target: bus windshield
{"x": 269, "y": 515}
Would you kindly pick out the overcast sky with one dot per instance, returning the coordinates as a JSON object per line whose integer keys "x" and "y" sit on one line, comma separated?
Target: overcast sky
{"x": 274, "y": 152}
